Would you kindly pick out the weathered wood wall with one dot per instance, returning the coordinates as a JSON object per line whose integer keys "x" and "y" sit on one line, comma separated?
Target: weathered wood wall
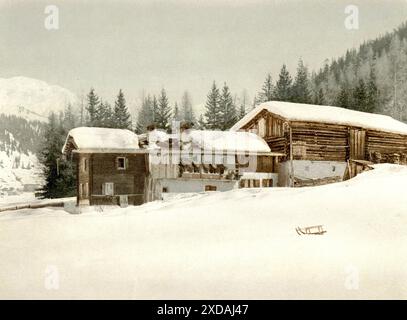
{"x": 275, "y": 132}
{"x": 318, "y": 141}
{"x": 384, "y": 147}
{"x": 357, "y": 144}
{"x": 328, "y": 142}
{"x": 83, "y": 177}
{"x": 266, "y": 164}
{"x": 102, "y": 168}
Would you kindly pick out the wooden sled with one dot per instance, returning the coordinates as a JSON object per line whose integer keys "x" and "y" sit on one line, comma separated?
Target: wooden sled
{"x": 311, "y": 230}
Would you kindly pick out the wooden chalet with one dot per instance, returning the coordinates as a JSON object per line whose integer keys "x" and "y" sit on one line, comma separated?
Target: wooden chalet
{"x": 111, "y": 168}
{"x": 322, "y": 144}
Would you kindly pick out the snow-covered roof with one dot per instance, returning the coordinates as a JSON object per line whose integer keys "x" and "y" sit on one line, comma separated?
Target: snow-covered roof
{"x": 326, "y": 114}
{"x": 228, "y": 140}
{"x": 156, "y": 137}
{"x": 212, "y": 140}
{"x": 101, "y": 140}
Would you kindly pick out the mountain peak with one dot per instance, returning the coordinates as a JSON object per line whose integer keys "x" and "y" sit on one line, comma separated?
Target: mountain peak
{"x": 32, "y": 98}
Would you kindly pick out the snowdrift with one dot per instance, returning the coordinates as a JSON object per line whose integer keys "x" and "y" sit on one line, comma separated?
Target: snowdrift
{"x": 239, "y": 244}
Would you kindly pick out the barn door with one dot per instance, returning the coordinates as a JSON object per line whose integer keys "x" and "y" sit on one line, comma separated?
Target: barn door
{"x": 357, "y": 142}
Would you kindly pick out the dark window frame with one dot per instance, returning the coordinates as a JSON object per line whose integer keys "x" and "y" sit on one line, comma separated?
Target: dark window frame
{"x": 118, "y": 167}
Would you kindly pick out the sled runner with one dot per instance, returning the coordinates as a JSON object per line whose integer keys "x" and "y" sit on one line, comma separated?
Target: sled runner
{"x": 311, "y": 230}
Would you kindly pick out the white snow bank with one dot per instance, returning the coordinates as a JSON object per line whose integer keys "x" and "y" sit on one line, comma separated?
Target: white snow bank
{"x": 239, "y": 244}
{"x": 90, "y": 138}
{"x": 326, "y": 114}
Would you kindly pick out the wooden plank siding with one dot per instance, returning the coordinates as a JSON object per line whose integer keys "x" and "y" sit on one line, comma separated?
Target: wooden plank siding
{"x": 386, "y": 147}
{"x": 319, "y": 141}
{"x": 357, "y": 144}
{"x": 275, "y": 133}
{"x": 83, "y": 177}
{"x": 329, "y": 142}
{"x": 102, "y": 168}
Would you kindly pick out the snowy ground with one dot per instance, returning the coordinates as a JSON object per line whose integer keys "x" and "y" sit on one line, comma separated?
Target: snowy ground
{"x": 6, "y": 200}
{"x": 239, "y": 244}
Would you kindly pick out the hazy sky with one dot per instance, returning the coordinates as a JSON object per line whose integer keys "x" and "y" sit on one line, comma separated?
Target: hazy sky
{"x": 185, "y": 44}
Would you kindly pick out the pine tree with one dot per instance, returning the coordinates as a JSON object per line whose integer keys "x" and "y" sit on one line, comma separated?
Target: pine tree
{"x": 267, "y": 91}
{"x": 59, "y": 173}
{"x": 213, "y": 115}
{"x": 104, "y": 116}
{"x": 283, "y": 90}
{"x": 343, "y": 99}
{"x": 121, "y": 116}
{"x": 319, "y": 97}
{"x": 301, "y": 92}
{"x": 163, "y": 116}
{"x": 70, "y": 119}
{"x": 187, "y": 112}
{"x": 201, "y": 123}
{"x": 256, "y": 101}
{"x": 372, "y": 93}
{"x": 154, "y": 108}
{"x": 176, "y": 115}
{"x": 145, "y": 115}
{"x": 242, "y": 112}
{"x": 360, "y": 96}
{"x": 92, "y": 106}
{"x": 227, "y": 109}
{"x": 243, "y": 102}
{"x": 82, "y": 115}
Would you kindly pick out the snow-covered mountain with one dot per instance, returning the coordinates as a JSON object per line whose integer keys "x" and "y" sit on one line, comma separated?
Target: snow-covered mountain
{"x": 28, "y": 99}
{"x": 33, "y": 99}
{"x": 20, "y": 169}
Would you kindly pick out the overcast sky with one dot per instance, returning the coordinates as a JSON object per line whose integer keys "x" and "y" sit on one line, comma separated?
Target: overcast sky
{"x": 179, "y": 45}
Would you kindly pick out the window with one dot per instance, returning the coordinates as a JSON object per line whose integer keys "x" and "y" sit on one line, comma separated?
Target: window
{"x": 165, "y": 189}
{"x": 210, "y": 188}
{"x": 85, "y": 164}
{"x": 86, "y": 191}
{"x": 83, "y": 190}
{"x": 121, "y": 163}
{"x": 108, "y": 189}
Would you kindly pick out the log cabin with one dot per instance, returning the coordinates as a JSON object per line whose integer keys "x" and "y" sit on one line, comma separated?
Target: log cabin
{"x": 117, "y": 167}
{"x": 111, "y": 168}
{"x": 323, "y": 144}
